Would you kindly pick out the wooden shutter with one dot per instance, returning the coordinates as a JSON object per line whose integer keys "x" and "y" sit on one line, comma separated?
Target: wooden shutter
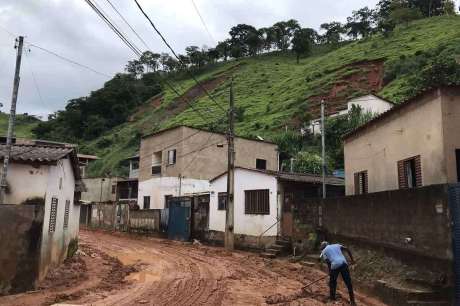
{"x": 402, "y": 177}
{"x": 365, "y": 182}
{"x": 418, "y": 171}
{"x": 357, "y": 183}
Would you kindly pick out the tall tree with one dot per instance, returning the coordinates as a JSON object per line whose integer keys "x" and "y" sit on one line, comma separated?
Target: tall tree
{"x": 224, "y": 47}
{"x": 360, "y": 23}
{"x": 239, "y": 39}
{"x": 334, "y": 31}
{"x": 302, "y": 42}
{"x": 135, "y": 68}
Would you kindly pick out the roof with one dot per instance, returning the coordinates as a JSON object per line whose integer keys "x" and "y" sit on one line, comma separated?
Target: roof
{"x": 85, "y": 156}
{"x": 293, "y": 177}
{"x": 42, "y": 154}
{"x": 203, "y": 130}
{"x": 394, "y": 110}
{"x": 373, "y": 95}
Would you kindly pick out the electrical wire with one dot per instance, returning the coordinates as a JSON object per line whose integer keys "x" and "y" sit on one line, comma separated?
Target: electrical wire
{"x": 129, "y": 25}
{"x": 178, "y": 58}
{"x": 37, "y": 88}
{"x": 203, "y": 22}
{"x": 68, "y": 60}
{"x": 111, "y": 25}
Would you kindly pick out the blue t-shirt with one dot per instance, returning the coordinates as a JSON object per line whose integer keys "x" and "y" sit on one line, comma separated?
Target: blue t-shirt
{"x": 333, "y": 253}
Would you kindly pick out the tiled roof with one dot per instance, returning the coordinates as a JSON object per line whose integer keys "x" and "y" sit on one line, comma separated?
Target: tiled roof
{"x": 36, "y": 153}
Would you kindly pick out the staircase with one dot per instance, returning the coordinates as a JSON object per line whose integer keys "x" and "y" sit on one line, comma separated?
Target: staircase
{"x": 282, "y": 246}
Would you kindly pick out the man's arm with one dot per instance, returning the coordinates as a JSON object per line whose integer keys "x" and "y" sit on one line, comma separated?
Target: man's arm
{"x": 347, "y": 250}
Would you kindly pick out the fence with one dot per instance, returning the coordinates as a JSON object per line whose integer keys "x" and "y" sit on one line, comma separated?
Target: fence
{"x": 118, "y": 216}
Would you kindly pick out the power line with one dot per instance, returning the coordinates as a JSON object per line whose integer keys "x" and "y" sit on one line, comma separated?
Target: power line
{"x": 37, "y": 88}
{"x": 178, "y": 58}
{"x": 126, "y": 41}
{"x": 127, "y": 23}
{"x": 203, "y": 22}
{"x": 68, "y": 60}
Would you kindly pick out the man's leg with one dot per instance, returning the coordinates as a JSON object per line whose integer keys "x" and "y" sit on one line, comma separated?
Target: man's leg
{"x": 333, "y": 275}
{"x": 347, "y": 280}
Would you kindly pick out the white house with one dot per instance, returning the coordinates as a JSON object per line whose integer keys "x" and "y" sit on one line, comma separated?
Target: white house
{"x": 256, "y": 208}
{"x": 369, "y": 104}
{"x": 46, "y": 174}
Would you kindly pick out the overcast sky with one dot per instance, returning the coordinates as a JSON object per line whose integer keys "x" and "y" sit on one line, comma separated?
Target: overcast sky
{"x": 72, "y": 29}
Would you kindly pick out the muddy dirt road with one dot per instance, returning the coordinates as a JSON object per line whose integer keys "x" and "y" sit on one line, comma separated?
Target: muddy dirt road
{"x": 117, "y": 269}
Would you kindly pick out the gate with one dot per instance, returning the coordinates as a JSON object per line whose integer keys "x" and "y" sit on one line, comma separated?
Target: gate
{"x": 454, "y": 204}
{"x": 179, "y": 218}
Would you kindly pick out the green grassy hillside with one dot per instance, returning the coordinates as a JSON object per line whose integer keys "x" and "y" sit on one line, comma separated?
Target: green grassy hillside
{"x": 272, "y": 91}
{"x": 23, "y": 128}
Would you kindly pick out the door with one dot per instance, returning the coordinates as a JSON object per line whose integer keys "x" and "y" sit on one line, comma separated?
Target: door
{"x": 200, "y": 220}
{"x": 286, "y": 221}
{"x": 179, "y": 218}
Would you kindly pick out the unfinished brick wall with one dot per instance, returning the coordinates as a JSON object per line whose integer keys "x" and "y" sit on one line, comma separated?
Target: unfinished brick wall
{"x": 20, "y": 235}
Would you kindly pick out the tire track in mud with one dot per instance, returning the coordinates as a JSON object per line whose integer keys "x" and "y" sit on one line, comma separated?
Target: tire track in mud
{"x": 173, "y": 273}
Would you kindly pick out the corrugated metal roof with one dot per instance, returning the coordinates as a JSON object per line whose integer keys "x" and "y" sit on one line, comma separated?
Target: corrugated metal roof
{"x": 35, "y": 153}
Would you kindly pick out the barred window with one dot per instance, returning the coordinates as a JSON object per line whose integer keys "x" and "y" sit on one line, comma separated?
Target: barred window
{"x": 257, "y": 202}
{"x": 222, "y": 201}
{"x": 53, "y": 212}
{"x": 66, "y": 214}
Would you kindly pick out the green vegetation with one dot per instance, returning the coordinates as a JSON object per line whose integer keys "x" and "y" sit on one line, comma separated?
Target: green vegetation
{"x": 273, "y": 92}
{"x": 24, "y": 125}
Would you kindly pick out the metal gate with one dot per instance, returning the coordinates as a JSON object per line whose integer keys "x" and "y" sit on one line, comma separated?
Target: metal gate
{"x": 179, "y": 218}
{"x": 454, "y": 204}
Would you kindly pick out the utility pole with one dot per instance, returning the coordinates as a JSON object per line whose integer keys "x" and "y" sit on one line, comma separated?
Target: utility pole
{"x": 229, "y": 216}
{"x": 9, "y": 140}
{"x": 323, "y": 149}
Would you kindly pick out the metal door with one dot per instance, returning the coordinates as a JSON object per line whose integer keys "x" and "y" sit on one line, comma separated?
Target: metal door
{"x": 454, "y": 204}
{"x": 179, "y": 218}
{"x": 287, "y": 222}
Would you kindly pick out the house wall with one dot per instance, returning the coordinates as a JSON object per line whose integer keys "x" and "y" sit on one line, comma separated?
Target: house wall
{"x": 21, "y": 175}
{"x": 20, "y": 232}
{"x": 99, "y": 189}
{"x": 194, "y": 161}
{"x": 54, "y": 245}
{"x": 451, "y": 128}
{"x": 413, "y": 130}
{"x": 252, "y": 225}
{"x": 159, "y": 187}
{"x": 370, "y": 104}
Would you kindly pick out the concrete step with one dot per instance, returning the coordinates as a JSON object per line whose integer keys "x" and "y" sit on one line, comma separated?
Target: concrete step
{"x": 422, "y": 303}
{"x": 272, "y": 250}
{"x": 279, "y": 247}
{"x": 267, "y": 255}
{"x": 284, "y": 243}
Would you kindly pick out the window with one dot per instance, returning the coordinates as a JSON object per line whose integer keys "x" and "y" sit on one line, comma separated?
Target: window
{"x": 60, "y": 183}
{"x": 361, "y": 182}
{"x": 66, "y": 214}
{"x": 222, "y": 201}
{"x": 134, "y": 164}
{"x": 114, "y": 189}
{"x": 146, "y": 202}
{"x": 261, "y": 164}
{"x": 171, "y": 157}
{"x": 53, "y": 212}
{"x": 156, "y": 163}
{"x": 410, "y": 172}
{"x": 156, "y": 170}
{"x": 457, "y": 154}
{"x": 257, "y": 202}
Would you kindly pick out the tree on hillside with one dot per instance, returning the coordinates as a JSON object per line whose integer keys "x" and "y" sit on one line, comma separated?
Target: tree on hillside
{"x": 303, "y": 41}
{"x": 212, "y": 55}
{"x": 360, "y": 23}
{"x": 283, "y": 33}
{"x": 403, "y": 13}
{"x": 150, "y": 60}
{"x": 239, "y": 39}
{"x": 334, "y": 31}
{"x": 135, "y": 68}
{"x": 224, "y": 47}
{"x": 269, "y": 37}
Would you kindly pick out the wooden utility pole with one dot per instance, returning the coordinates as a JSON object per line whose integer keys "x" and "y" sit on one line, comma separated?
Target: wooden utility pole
{"x": 12, "y": 119}
{"x": 229, "y": 215}
{"x": 323, "y": 149}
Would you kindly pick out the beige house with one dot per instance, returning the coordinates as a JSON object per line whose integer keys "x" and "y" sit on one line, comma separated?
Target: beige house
{"x": 181, "y": 161}
{"x": 414, "y": 144}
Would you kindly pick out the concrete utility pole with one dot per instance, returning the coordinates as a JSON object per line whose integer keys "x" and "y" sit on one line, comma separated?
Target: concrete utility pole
{"x": 229, "y": 216}
{"x": 9, "y": 137}
{"x": 323, "y": 149}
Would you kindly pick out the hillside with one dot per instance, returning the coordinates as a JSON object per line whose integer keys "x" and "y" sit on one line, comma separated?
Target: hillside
{"x": 24, "y": 125}
{"x": 272, "y": 91}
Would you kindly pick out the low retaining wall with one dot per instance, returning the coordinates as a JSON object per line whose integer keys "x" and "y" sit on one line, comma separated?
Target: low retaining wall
{"x": 144, "y": 220}
{"x": 20, "y": 231}
{"x": 242, "y": 242}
